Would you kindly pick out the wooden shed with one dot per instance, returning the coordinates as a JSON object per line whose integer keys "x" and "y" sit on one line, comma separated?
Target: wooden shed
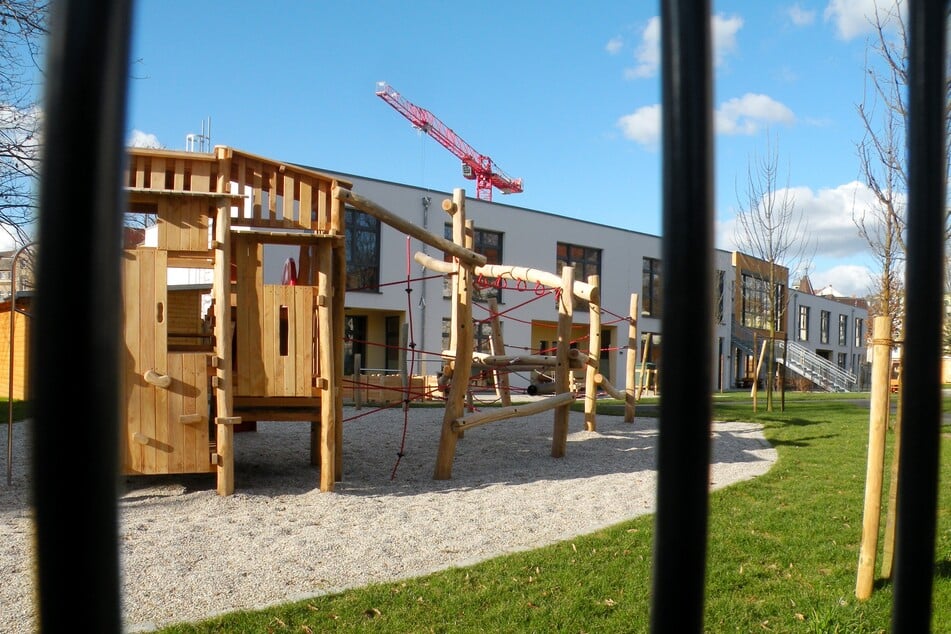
{"x": 15, "y": 356}
{"x": 274, "y": 353}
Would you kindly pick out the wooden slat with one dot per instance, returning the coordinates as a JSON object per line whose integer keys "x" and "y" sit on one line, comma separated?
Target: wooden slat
{"x": 305, "y": 218}
{"x": 287, "y": 211}
{"x": 178, "y": 180}
{"x": 157, "y": 173}
{"x": 131, "y": 389}
{"x": 256, "y": 183}
{"x": 201, "y": 176}
{"x": 323, "y": 206}
{"x": 155, "y": 458}
{"x": 169, "y": 431}
{"x": 268, "y": 343}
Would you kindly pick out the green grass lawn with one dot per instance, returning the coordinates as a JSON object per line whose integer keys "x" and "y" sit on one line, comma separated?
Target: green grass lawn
{"x": 782, "y": 555}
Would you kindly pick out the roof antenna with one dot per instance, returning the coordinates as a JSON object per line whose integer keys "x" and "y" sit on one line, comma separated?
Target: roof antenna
{"x": 199, "y": 142}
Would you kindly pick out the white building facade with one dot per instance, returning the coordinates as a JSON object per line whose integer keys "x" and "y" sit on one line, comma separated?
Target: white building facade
{"x": 398, "y": 312}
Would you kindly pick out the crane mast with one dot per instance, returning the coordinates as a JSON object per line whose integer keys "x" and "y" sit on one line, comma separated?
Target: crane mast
{"x": 475, "y": 166}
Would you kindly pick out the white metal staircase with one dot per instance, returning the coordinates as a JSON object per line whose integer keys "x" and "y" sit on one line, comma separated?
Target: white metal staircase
{"x": 822, "y": 372}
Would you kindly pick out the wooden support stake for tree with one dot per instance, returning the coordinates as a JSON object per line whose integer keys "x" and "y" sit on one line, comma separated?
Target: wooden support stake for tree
{"x": 629, "y": 402}
{"x": 462, "y": 331}
{"x": 759, "y": 366}
{"x": 888, "y": 548}
{"x": 594, "y": 357}
{"x": 502, "y": 388}
{"x": 566, "y": 300}
{"x": 877, "y": 423}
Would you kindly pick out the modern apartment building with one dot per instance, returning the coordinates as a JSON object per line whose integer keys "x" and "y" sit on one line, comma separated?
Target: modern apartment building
{"x": 397, "y": 309}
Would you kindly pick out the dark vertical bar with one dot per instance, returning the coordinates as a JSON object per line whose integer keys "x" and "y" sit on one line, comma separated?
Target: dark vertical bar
{"x": 75, "y": 340}
{"x": 684, "y": 446}
{"x": 921, "y": 383}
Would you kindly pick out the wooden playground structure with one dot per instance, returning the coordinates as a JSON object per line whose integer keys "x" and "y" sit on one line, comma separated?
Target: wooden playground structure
{"x": 261, "y": 351}
{"x": 194, "y": 370}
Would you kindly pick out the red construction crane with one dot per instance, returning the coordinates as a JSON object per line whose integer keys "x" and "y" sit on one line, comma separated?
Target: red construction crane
{"x": 475, "y": 166}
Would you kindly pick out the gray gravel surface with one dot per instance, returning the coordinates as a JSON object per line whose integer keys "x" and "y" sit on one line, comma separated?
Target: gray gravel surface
{"x": 187, "y": 553}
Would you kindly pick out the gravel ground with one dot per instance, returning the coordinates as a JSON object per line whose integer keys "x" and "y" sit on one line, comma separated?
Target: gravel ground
{"x": 187, "y": 553}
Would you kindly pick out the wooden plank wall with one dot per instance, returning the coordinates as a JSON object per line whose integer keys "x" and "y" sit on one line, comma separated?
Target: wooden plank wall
{"x": 21, "y": 361}
{"x": 166, "y": 429}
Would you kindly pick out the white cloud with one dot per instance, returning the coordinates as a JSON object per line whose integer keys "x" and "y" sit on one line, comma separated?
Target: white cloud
{"x": 744, "y": 115}
{"x": 852, "y": 280}
{"x": 614, "y": 45}
{"x": 800, "y": 16}
{"x": 724, "y": 36}
{"x": 724, "y": 32}
{"x": 853, "y": 18}
{"x": 642, "y": 125}
{"x": 747, "y": 114}
{"x": 137, "y": 138}
{"x": 648, "y": 52}
{"x": 843, "y": 255}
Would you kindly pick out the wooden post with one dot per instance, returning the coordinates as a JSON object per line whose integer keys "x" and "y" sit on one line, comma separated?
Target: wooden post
{"x": 759, "y": 366}
{"x": 594, "y": 357}
{"x": 462, "y": 333}
{"x": 502, "y": 388}
{"x": 888, "y": 547}
{"x": 878, "y": 419}
{"x": 338, "y": 315}
{"x": 631, "y": 362}
{"x": 559, "y": 435}
{"x": 357, "y": 381}
{"x": 401, "y": 362}
{"x": 647, "y": 346}
{"x": 325, "y": 352}
{"x": 224, "y": 395}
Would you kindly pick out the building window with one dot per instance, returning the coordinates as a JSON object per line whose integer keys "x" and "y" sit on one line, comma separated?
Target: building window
{"x": 754, "y": 302}
{"x": 803, "y": 323}
{"x": 859, "y": 335}
{"x": 489, "y": 244}
{"x": 585, "y": 260}
{"x": 842, "y": 360}
{"x": 651, "y": 288}
{"x": 824, "y": 318}
{"x": 362, "y": 235}
{"x": 718, "y": 301}
{"x": 354, "y": 342}
{"x": 843, "y": 330}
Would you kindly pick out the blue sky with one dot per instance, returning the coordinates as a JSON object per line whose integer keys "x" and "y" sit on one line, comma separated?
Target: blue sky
{"x": 564, "y": 95}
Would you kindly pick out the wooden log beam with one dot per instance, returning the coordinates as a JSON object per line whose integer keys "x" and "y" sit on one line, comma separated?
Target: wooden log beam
{"x": 609, "y": 387}
{"x": 580, "y": 289}
{"x": 380, "y": 213}
{"x": 502, "y": 413}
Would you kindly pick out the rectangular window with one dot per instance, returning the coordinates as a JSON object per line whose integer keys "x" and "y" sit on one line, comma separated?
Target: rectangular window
{"x": 859, "y": 335}
{"x": 585, "y": 260}
{"x": 354, "y": 342}
{"x": 824, "y": 318}
{"x": 718, "y": 300}
{"x": 362, "y": 235}
{"x": 843, "y": 330}
{"x": 651, "y": 288}
{"x": 803, "y": 323}
{"x": 489, "y": 244}
{"x": 842, "y": 360}
{"x": 755, "y": 304}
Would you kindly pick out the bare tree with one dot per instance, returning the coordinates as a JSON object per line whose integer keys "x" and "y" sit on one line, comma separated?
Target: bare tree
{"x": 770, "y": 227}
{"x": 881, "y": 155}
{"x": 22, "y": 37}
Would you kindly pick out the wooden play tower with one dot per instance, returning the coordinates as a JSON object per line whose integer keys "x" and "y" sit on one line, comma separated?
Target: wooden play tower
{"x": 273, "y": 353}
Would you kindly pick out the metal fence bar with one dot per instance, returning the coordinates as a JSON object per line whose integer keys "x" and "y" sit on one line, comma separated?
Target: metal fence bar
{"x": 687, "y": 251}
{"x": 921, "y": 384}
{"x": 75, "y": 341}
